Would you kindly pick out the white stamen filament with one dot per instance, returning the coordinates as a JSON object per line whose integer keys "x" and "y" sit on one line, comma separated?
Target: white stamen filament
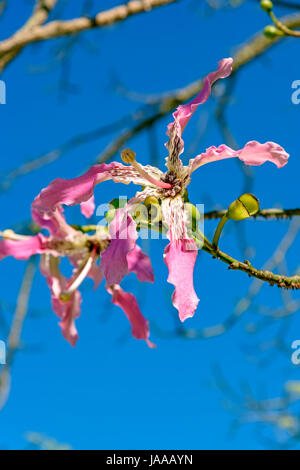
{"x": 11, "y": 235}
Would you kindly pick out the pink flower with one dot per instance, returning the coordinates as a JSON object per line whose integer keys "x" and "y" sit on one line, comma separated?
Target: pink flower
{"x": 116, "y": 247}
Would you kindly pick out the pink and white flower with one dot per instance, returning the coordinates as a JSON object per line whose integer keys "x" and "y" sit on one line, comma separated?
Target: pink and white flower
{"x": 117, "y": 249}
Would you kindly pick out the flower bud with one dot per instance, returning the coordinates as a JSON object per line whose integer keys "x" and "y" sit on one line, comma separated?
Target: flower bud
{"x": 243, "y": 207}
{"x": 151, "y": 200}
{"x": 271, "y": 32}
{"x": 154, "y": 209}
{"x": 109, "y": 216}
{"x": 266, "y": 5}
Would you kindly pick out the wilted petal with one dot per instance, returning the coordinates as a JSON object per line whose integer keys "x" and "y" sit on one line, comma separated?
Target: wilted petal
{"x": 22, "y": 249}
{"x": 88, "y": 207}
{"x": 180, "y": 257}
{"x": 67, "y": 311}
{"x": 128, "y": 303}
{"x": 140, "y": 264}
{"x": 184, "y": 112}
{"x": 123, "y": 236}
{"x": 253, "y": 153}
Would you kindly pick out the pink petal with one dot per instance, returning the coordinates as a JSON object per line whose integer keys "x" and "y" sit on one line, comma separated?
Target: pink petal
{"x": 55, "y": 222}
{"x": 88, "y": 207}
{"x": 180, "y": 257}
{"x": 128, "y": 303}
{"x": 139, "y": 263}
{"x": 123, "y": 237}
{"x": 96, "y": 274}
{"x": 72, "y": 191}
{"x": 66, "y": 311}
{"x": 80, "y": 190}
{"x": 184, "y": 112}
{"x": 253, "y": 153}
{"x": 22, "y": 249}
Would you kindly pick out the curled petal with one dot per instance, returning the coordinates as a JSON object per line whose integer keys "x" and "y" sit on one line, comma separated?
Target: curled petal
{"x": 140, "y": 264}
{"x": 253, "y": 153}
{"x": 88, "y": 207}
{"x": 180, "y": 257}
{"x": 128, "y": 303}
{"x": 184, "y": 112}
{"x": 67, "y": 311}
{"x": 123, "y": 236}
{"x": 24, "y": 248}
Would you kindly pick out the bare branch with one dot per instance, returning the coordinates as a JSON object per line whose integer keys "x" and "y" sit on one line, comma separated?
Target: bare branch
{"x": 264, "y": 213}
{"x": 38, "y": 17}
{"x": 33, "y": 31}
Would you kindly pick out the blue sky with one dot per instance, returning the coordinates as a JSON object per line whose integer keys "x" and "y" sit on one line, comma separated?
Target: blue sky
{"x": 112, "y": 392}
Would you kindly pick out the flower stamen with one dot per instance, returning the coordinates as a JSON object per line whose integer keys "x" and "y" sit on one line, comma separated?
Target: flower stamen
{"x": 128, "y": 156}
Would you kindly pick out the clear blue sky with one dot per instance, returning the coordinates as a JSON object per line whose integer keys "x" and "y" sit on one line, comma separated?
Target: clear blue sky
{"x": 112, "y": 392}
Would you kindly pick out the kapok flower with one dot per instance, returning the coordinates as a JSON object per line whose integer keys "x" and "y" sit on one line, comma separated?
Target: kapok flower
{"x": 122, "y": 254}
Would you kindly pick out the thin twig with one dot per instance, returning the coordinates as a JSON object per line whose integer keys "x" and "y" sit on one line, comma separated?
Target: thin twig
{"x": 13, "y": 340}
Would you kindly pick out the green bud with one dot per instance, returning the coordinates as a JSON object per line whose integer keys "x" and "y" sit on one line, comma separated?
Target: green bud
{"x": 109, "y": 216}
{"x": 64, "y": 297}
{"x": 243, "y": 207}
{"x": 272, "y": 32}
{"x": 186, "y": 196}
{"x": 154, "y": 214}
{"x": 266, "y": 5}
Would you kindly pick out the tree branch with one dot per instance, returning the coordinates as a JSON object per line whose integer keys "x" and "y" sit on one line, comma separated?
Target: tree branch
{"x": 39, "y": 16}
{"x": 34, "y": 31}
{"x": 264, "y": 213}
